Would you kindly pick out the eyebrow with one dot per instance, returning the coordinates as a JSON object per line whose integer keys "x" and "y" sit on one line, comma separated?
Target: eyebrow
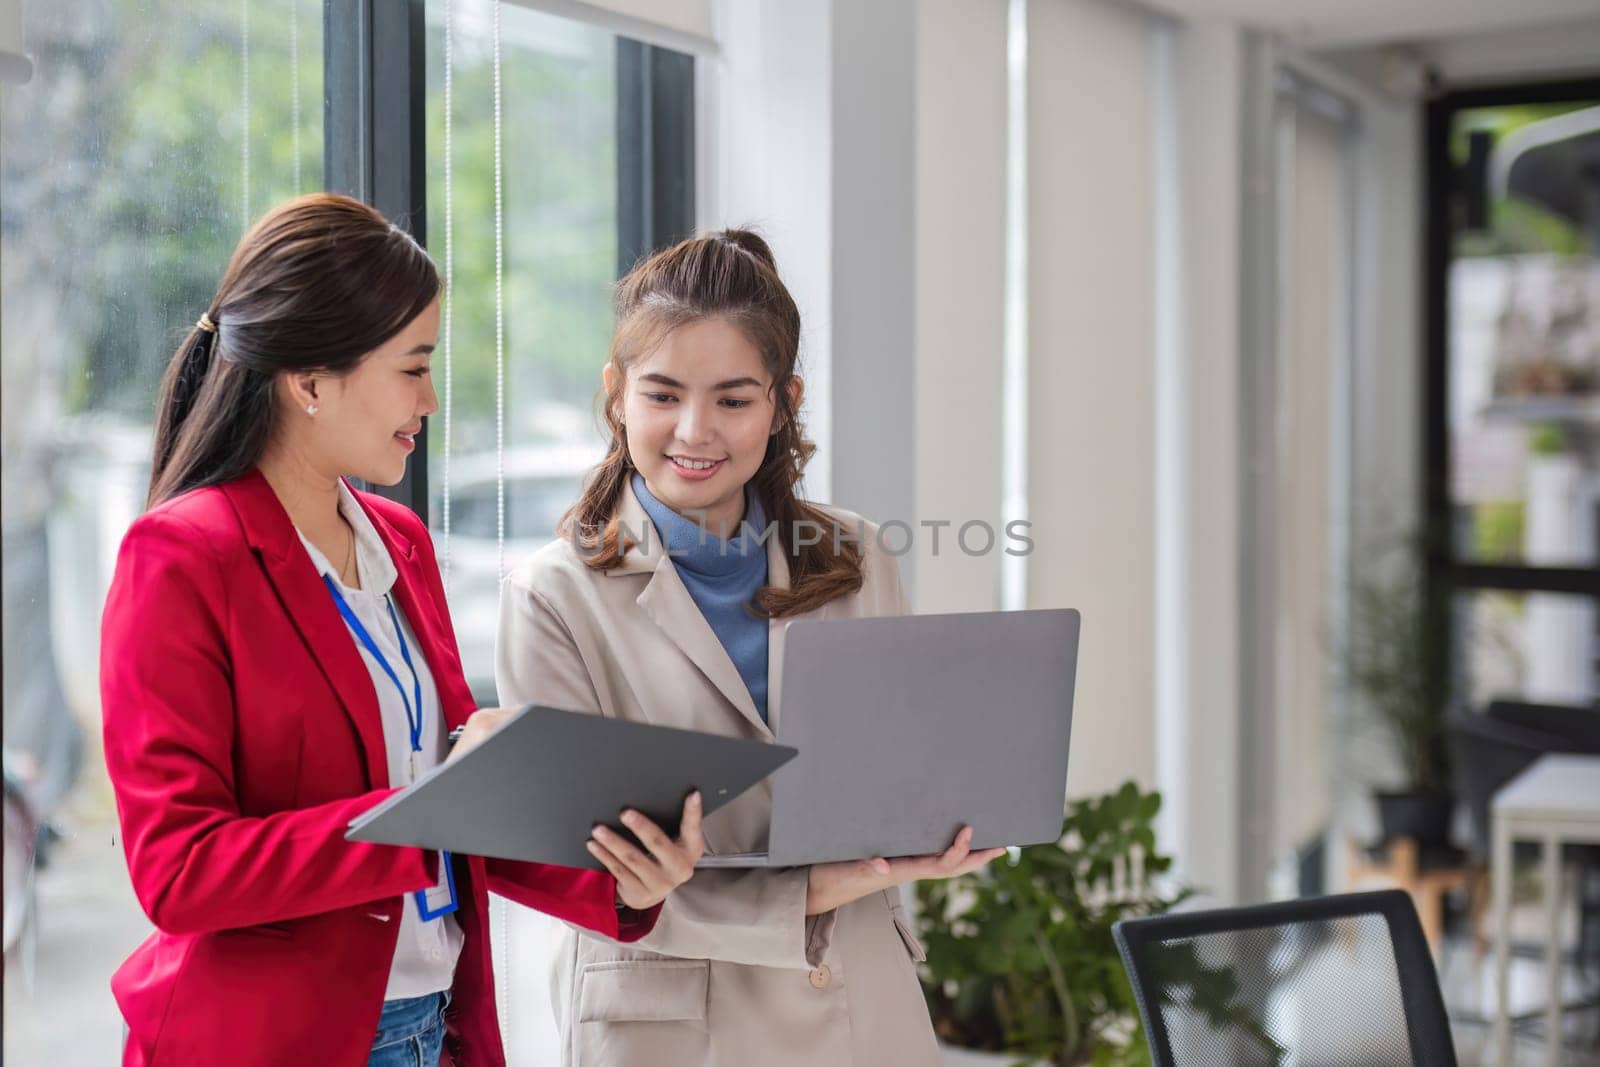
{"x": 421, "y": 350}
{"x": 731, "y": 383}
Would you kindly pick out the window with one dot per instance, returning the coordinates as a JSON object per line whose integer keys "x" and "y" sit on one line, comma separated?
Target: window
{"x": 596, "y": 143}
{"x": 1514, "y": 388}
{"x": 150, "y": 134}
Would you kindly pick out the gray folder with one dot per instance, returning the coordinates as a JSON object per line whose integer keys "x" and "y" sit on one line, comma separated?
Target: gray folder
{"x": 544, "y": 780}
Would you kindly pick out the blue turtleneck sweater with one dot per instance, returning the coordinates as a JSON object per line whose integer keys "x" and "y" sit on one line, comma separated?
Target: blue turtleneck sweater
{"x": 723, "y": 578}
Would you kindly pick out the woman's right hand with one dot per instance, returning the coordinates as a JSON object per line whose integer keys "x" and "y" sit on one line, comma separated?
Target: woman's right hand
{"x": 480, "y": 724}
{"x": 833, "y": 885}
{"x": 645, "y": 876}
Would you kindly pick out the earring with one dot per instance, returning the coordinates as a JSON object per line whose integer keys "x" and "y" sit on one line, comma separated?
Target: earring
{"x": 311, "y": 409}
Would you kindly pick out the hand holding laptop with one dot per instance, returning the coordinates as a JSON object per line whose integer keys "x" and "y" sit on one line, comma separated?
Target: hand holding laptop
{"x": 833, "y": 885}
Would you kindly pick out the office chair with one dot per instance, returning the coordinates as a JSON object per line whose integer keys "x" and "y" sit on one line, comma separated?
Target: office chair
{"x": 1339, "y": 981}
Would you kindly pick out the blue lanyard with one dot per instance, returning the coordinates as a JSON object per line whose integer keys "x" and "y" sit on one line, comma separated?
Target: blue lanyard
{"x": 425, "y": 910}
{"x": 413, "y": 719}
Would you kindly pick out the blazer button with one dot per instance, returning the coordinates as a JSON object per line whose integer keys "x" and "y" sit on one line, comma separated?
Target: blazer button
{"x": 821, "y": 977}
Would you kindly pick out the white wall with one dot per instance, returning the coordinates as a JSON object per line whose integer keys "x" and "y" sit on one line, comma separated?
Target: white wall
{"x": 1091, "y": 438}
{"x": 959, "y": 178}
{"x": 808, "y": 134}
{"x": 872, "y": 452}
{"x": 766, "y": 154}
{"x": 1222, "y": 303}
{"x": 868, "y": 142}
{"x": 1376, "y": 445}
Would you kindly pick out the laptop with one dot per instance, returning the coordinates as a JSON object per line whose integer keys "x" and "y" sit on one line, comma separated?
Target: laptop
{"x": 909, "y": 727}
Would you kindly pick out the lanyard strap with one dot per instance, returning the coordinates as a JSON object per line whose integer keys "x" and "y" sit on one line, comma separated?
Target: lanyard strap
{"x": 413, "y": 719}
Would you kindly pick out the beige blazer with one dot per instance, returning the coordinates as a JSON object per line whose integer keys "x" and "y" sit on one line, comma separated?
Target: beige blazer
{"x": 734, "y": 973}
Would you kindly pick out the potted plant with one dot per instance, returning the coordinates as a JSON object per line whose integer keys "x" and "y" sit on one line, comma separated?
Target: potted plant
{"x": 1395, "y": 662}
{"x": 1021, "y": 960}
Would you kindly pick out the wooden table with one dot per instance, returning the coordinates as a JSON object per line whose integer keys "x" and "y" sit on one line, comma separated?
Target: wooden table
{"x": 1555, "y": 802}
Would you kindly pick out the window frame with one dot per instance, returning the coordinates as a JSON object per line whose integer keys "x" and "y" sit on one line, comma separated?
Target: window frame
{"x": 1447, "y": 575}
{"x": 375, "y": 139}
{"x": 375, "y": 142}
{"x": 655, "y": 149}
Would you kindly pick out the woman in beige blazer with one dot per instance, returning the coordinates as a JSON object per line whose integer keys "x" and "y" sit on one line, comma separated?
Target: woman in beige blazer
{"x": 639, "y": 613}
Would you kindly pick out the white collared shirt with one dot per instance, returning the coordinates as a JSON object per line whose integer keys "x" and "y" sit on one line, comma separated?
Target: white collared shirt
{"x": 426, "y": 952}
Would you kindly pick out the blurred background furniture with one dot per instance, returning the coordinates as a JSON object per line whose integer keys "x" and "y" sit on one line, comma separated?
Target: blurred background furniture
{"x": 1429, "y": 875}
{"x": 1490, "y": 748}
{"x": 1555, "y": 802}
{"x": 1346, "y": 979}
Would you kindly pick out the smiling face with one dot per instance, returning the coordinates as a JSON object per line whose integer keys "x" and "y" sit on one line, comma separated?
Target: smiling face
{"x": 367, "y": 420}
{"x": 698, "y": 411}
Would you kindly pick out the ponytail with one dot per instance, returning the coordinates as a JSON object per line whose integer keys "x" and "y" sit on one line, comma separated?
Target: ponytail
{"x": 180, "y": 387}
{"x": 215, "y": 416}
{"x": 751, "y": 242}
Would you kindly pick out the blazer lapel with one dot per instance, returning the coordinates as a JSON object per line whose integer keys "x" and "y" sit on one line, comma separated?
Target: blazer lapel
{"x": 667, "y": 602}
{"x": 410, "y": 590}
{"x": 306, "y": 601}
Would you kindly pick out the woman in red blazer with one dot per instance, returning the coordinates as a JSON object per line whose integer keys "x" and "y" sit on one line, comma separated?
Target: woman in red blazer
{"x": 246, "y": 661}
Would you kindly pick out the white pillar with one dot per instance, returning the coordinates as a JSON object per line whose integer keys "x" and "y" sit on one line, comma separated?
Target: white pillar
{"x": 1198, "y": 462}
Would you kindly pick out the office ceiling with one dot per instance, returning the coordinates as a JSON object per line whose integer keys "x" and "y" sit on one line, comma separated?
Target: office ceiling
{"x": 1343, "y": 23}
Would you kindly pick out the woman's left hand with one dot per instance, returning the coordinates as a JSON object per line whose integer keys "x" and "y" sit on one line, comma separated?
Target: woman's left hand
{"x": 833, "y": 885}
{"x": 644, "y": 878}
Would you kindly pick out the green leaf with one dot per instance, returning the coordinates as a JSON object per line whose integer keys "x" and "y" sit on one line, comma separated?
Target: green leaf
{"x": 1051, "y": 978}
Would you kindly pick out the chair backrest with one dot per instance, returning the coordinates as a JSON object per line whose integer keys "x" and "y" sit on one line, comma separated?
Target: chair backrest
{"x": 1304, "y": 983}
{"x": 1568, "y": 727}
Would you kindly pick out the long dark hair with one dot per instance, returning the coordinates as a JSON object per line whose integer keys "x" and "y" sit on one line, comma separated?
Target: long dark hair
{"x": 318, "y": 283}
{"x": 730, "y": 275}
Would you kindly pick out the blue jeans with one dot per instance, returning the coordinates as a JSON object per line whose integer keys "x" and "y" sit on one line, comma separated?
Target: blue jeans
{"x": 410, "y": 1032}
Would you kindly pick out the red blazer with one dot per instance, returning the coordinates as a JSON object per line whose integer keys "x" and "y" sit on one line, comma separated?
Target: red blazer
{"x": 242, "y": 735}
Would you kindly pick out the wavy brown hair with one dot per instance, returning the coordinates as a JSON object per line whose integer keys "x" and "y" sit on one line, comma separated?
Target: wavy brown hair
{"x": 317, "y": 283}
{"x": 730, "y": 275}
